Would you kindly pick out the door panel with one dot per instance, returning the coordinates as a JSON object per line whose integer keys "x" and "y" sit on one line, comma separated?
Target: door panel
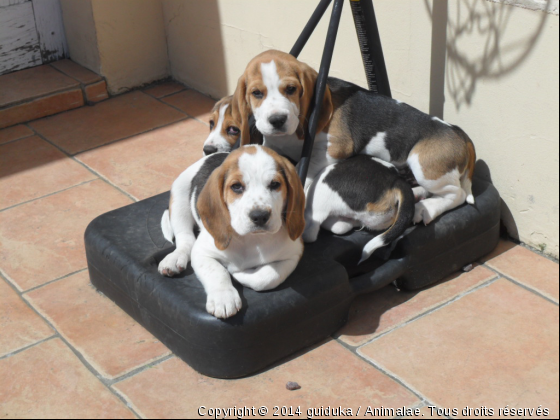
{"x": 19, "y": 43}
{"x": 31, "y": 34}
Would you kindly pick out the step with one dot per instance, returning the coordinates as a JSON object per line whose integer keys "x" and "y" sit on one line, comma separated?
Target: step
{"x": 45, "y": 90}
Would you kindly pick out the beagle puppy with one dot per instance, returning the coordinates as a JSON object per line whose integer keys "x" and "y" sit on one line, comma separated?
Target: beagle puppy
{"x": 277, "y": 89}
{"x": 249, "y": 207}
{"x": 224, "y": 129}
{"x": 360, "y": 191}
{"x": 224, "y": 132}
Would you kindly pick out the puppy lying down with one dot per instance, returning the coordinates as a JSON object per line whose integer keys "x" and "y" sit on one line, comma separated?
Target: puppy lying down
{"x": 360, "y": 192}
{"x": 249, "y": 206}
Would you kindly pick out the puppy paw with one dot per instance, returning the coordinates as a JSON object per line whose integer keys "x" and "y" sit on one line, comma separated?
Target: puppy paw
{"x": 223, "y": 303}
{"x": 310, "y": 233}
{"x": 422, "y": 214}
{"x": 174, "y": 263}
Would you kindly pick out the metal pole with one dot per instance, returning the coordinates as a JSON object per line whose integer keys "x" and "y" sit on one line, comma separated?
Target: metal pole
{"x": 320, "y": 89}
{"x": 370, "y": 46}
{"x": 310, "y": 27}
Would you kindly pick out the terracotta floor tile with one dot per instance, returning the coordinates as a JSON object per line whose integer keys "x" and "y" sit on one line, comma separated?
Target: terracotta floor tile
{"x": 329, "y": 375}
{"x": 113, "y": 119}
{"x": 41, "y": 107}
{"x": 376, "y": 313}
{"x": 148, "y": 164}
{"x": 164, "y": 89}
{"x": 530, "y": 269}
{"x": 193, "y": 103}
{"x": 14, "y": 133}
{"x": 111, "y": 341}
{"x": 32, "y": 83}
{"x": 96, "y": 92}
{"x": 503, "y": 246}
{"x": 31, "y": 168}
{"x": 75, "y": 71}
{"x": 19, "y": 325}
{"x": 495, "y": 347}
{"x": 48, "y": 381}
{"x": 43, "y": 240}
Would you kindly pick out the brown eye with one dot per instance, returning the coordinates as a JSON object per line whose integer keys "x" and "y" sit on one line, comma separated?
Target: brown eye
{"x": 274, "y": 185}
{"x": 290, "y": 90}
{"x": 237, "y": 188}
{"x": 232, "y": 131}
{"x": 257, "y": 94}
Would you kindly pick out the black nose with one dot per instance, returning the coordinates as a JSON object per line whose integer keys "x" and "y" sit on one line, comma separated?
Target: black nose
{"x": 278, "y": 120}
{"x": 208, "y": 150}
{"x": 259, "y": 217}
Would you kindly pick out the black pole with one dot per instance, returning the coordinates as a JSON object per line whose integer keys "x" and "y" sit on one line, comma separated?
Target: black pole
{"x": 310, "y": 27}
{"x": 370, "y": 46}
{"x": 320, "y": 89}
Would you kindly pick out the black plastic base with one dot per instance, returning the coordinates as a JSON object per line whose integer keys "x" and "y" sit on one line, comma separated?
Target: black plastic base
{"x": 125, "y": 246}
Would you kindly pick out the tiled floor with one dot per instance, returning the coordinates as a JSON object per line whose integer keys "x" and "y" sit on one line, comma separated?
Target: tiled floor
{"x": 487, "y": 338}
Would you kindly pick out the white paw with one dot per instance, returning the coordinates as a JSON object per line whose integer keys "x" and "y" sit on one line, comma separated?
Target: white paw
{"x": 422, "y": 214}
{"x": 223, "y": 303}
{"x": 310, "y": 234}
{"x": 341, "y": 227}
{"x": 174, "y": 263}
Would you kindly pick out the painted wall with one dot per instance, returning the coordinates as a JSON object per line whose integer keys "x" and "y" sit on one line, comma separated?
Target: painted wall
{"x": 502, "y": 88}
{"x": 122, "y": 40}
{"x": 81, "y": 35}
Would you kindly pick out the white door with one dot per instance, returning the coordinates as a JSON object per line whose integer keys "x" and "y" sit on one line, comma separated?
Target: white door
{"x": 31, "y": 34}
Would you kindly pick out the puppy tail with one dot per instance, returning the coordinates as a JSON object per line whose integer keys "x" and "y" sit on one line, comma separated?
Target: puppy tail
{"x": 166, "y": 227}
{"x": 405, "y": 202}
{"x": 466, "y": 180}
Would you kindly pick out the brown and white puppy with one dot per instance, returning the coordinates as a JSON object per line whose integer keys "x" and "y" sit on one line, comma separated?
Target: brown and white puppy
{"x": 276, "y": 87}
{"x": 249, "y": 206}
{"x": 225, "y": 129}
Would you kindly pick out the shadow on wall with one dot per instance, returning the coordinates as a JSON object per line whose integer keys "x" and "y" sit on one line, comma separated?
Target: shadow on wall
{"x": 187, "y": 21}
{"x": 482, "y": 22}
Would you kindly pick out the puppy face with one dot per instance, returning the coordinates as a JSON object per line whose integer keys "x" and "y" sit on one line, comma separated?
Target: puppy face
{"x": 224, "y": 130}
{"x": 277, "y": 89}
{"x": 255, "y": 191}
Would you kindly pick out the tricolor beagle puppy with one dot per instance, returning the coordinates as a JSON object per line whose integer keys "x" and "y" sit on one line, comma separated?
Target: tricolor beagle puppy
{"x": 360, "y": 191}
{"x": 249, "y": 206}
{"x": 224, "y": 132}
{"x": 277, "y": 89}
{"x": 224, "y": 129}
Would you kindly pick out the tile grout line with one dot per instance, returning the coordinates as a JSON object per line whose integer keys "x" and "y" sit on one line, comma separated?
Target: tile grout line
{"x": 518, "y": 283}
{"x": 179, "y": 109}
{"x": 76, "y": 353}
{"x": 483, "y": 285}
{"x": 18, "y": 139}
{"x": 47, "y": 195}
{"x": 15, "y": 352}
{"x": 75, "y": 159}
{"x": 52, "y": 281}
{"x": 354, "y": 350}
{"x": 43, "y": 96}
{"x": 186, "y": 117}
{"x": 139, "y": 370}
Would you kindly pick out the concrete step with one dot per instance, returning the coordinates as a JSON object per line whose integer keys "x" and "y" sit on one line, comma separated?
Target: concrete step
{"x": 46, "y": 90}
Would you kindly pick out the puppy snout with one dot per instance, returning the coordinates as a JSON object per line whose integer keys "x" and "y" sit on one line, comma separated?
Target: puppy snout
{"x": 208, "y": 150}
{"x": 260, "y": 217}
{"x": 278, "y": 120}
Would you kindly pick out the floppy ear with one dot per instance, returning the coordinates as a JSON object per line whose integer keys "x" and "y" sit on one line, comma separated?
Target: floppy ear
{"x": 308, "y": 79}
{"x": 295, "y": 200}
{"x": 213, "y": 210}
{"x": 240, "y": 110}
